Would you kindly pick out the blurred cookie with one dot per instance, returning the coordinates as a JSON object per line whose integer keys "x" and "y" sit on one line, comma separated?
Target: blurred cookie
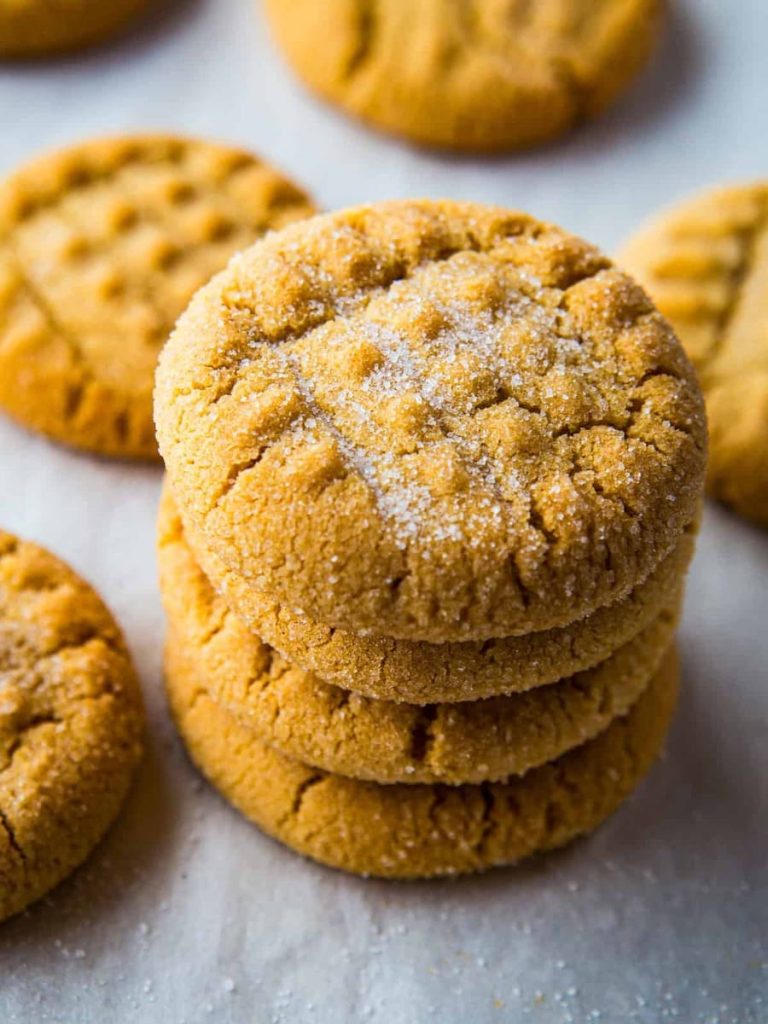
{"x": 481, "y": 76}
{"x": 71, "y": 722}
{"x": 399, "y": 831}
{"x": 34, "y": 28}
{"x": 101, "y": 247}
{"x": 432, "y": 421}
{"x": 330, "y": 728}
{"x": 705, "y": 264}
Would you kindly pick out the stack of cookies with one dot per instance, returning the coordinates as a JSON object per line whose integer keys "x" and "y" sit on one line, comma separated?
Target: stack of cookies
{"x": 433, "y": 473}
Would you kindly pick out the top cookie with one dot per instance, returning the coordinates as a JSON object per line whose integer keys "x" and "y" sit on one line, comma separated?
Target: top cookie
{"x": 706, "y": 265}
{"x": 101, "y": 247}
{"x": 431, "y": 420}
{"x": 473, "y": 76}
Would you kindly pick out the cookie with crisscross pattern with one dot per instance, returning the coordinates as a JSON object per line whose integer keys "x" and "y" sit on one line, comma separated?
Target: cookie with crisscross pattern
{"x": 469, "y": 75}
{"x": 101, "y": 247}
{"x": 705, "y": 264}
{"x": 431, "y": 420}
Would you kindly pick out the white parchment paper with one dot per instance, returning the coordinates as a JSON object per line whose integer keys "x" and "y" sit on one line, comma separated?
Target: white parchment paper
{"x": 186, "y": 914}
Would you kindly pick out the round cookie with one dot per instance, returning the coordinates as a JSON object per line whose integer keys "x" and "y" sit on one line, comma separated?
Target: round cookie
{"x": 419, "y": 831}
{"x": 338, "y": 731}
{"x": 71, "y": 722}
{"x": 431, "y": 420}
{"x": 420, "y": 673}
{"x": 33, "y": 28}
{"x": 705, "y": 264}
{"x": 101, "y": 247}
{"x": 481, "y": 76}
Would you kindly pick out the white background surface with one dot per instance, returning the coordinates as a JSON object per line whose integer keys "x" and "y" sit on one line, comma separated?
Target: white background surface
{"x": 186, "y": 913}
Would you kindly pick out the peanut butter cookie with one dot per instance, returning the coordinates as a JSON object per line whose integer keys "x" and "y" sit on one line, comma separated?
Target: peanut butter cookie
{"x": 33, "y": 28}
{"x": 416, "y": 831}
{"x": 429, "y": 420}
{"x": 420, "y": 673}
{"x": 101, "y": 247}
{"x": 489, "y": 75}
{"x": 71, "y": 722}
{"x": 705, "y": 264}
{"x": 339, "y": 731}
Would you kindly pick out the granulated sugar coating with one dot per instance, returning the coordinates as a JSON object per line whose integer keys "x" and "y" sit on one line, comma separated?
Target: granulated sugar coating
{"x": 433, "y": 421}
{"x": 326, "y": 727}
{"x": 414, "y": 672}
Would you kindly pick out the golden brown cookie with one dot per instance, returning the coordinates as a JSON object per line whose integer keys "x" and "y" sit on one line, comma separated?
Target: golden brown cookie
{"x": 330, "y": 728}
{"x": 101, "y": 247}
{"x": 71, "y": 722}
{"x": 33, "y": 28}
{"x": 488, "y": 75}
{"x": 431, "y": 420}
{"x": 705, "y": 264}
{"x": 419, "y": 673}
{"x": 423, "y": 830}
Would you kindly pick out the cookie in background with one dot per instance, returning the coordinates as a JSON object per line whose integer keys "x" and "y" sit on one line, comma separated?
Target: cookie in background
{"x": 102, "y": 245}
{"x": 37, "y": 28}
{"x": 485, "y": 76}
{"x": 71, "y": 722}
{"x": 705, "y": 264}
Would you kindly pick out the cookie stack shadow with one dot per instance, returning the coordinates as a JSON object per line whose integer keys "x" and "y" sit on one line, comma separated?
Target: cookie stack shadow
{"x": 464, "y": 747}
